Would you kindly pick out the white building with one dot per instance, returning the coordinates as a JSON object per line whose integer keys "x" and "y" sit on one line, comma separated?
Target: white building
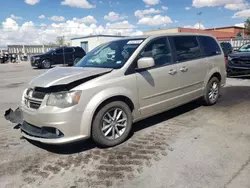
{"x": 90, "y": 42}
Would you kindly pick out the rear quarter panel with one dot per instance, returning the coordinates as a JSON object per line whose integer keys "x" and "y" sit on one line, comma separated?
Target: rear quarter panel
{"x": 217, "y": 65}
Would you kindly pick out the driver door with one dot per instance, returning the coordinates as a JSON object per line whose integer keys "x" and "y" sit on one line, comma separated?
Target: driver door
{"x": 158, "y": 86}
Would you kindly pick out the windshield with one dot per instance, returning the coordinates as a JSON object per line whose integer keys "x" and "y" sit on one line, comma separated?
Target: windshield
{"x": 245, "y": 48}
{"x": 110, "y": 55}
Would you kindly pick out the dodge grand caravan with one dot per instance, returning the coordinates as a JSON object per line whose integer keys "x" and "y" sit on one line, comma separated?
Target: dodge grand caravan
{"x": 101, "y": 97}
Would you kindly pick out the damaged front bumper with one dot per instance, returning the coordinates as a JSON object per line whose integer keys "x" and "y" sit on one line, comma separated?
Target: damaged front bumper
{"x": 52, "y": 125}
{"x": 44, "y": 134}
{"x": 238, "y": 68}
{"x": 55, "y": 141}
{"x": 233, "y": 71}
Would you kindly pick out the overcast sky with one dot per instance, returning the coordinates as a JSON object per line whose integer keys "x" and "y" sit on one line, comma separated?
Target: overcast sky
{"x": 40, "y": 21}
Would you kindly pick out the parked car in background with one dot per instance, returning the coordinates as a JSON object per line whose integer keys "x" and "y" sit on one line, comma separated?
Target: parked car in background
{"x": 238, "y": 63}
{"x": 102, "y": 96}
{"x": 5, "y": 58}
{"x": 1, "y": 59}
{"x": 244, "y": 48}
{"x": 62, "y": 55}
{"x": 227, "y": 48}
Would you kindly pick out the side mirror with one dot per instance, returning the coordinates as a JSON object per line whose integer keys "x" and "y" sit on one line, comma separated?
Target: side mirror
{"x": 145, "y": 62}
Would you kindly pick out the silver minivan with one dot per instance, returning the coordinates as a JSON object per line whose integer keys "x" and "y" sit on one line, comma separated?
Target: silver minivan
{"x": 119, "y": 83}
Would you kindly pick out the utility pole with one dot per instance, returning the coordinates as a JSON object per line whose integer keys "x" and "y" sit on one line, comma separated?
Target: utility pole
{"x": 199, "y": 21}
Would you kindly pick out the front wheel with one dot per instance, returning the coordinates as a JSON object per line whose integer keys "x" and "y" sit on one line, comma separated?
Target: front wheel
{"x": 46, "y": 64}
{"x": 212, "y": 91}
{"x": 112, "y": 124}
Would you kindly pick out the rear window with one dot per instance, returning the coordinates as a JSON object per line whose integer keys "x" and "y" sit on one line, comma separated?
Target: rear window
{"x": 79, "y": 49}
{"x": 187, "y": 48}
{"x": 210, "y": 46}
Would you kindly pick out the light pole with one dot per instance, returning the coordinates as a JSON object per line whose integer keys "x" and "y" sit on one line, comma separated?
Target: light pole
{"x": 199, "y": 21}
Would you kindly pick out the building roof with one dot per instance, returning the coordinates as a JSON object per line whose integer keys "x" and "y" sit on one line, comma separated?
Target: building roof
{"x": 91, "y": 36}
{"x": 217, "y": 34}
{"x": 227, "y": 27}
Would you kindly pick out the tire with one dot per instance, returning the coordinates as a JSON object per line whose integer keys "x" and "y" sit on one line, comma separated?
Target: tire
{"x": 98, "y": 135}
{"x": 212, "y": 93}
{"x": 76, "y": 60}
{"x": 46, "y": 64}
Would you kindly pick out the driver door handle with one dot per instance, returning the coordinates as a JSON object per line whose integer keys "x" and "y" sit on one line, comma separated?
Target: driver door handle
{"x": 184, "y": 69}
{"x": 172, "y": 72}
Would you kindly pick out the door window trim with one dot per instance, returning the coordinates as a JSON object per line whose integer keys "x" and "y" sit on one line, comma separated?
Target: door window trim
{"x": 202, "y": 47}
{"x": 174, "y": 49}
{"x": 132, "y": 68}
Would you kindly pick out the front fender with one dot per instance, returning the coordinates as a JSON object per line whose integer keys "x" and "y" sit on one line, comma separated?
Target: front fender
{"x": 98, "y": 99}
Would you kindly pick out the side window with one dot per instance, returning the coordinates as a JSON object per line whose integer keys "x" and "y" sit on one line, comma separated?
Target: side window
{"x": 68, "y": 50}
{"x": 187, "y": 48}
{"x": 159, "y": 50}
{"x": 210, "y": 46}
{"x": 59, "y": 51}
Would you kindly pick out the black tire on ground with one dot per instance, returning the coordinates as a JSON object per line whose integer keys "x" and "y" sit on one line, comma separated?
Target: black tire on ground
{"x": 46, "y": 64}
{"x": 208, "y": 101}
{"x": 97, "y": 134}
{"x": 76, "y": 60}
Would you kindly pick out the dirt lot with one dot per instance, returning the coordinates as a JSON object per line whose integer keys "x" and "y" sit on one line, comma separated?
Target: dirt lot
{"x": 191, "y": 146}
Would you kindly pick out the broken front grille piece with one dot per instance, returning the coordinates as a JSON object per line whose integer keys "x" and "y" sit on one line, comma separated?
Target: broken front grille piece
{"x": 34, "y": 98}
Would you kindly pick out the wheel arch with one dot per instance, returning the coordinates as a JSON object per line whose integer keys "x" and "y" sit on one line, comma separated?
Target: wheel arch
{"x": 102, "y": 98}
{"x": 215, "y": 72}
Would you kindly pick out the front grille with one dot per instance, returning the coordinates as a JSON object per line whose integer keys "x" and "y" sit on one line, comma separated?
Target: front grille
{"x": 33, "y": 98}
{"x": 237, "y": 62}
{"x": 38, "y": 95}
{"x": 34, "y": 105}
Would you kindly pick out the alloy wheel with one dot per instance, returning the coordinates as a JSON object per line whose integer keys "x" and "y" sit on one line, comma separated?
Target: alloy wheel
{"x": 114, "y": 123}
{"x": 46, "y": 64}
{"x": 213, "y": 92}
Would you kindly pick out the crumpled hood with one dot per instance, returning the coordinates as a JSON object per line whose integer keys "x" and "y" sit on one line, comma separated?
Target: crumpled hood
{"x": 66, "y": 75}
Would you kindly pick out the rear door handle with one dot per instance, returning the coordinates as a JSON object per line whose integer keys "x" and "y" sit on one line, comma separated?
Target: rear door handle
{"x": 172, "y": 72}
{"x": 184, "y": 69}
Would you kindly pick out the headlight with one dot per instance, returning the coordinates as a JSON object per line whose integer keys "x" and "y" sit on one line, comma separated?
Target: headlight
{"x": 229, "y": 58}
{"x": 36, "y": 58}
{"x": 64, "y": 99}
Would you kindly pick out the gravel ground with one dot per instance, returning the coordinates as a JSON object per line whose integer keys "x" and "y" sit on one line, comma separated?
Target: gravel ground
{"x": 191, "y": 146}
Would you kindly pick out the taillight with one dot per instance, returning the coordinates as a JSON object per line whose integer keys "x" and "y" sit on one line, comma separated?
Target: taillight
{"x": 225, "y": 59}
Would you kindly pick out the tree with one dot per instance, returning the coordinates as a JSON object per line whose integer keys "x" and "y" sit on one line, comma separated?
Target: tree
{"x": 239, "y": 34}
{"x": 60, "y": 41}
{"x": 247, "y": 26}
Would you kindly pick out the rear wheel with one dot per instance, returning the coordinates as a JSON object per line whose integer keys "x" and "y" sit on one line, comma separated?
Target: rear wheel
{"x": 212, "y": 91}
{"x": 112, "y": 124}
{"x": 46, "y": 64}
